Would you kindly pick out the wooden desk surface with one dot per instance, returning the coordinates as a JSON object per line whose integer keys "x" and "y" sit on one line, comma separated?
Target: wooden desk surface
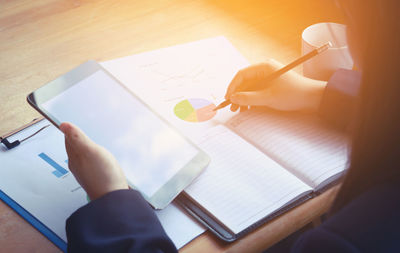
{"x": 40, "y": 40}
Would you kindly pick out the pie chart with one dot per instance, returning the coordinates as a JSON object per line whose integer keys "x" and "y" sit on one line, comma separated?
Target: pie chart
{"x": 195, "y": 110}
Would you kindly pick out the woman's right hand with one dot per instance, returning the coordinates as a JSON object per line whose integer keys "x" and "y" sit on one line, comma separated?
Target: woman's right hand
{"x": 289, "y": 92}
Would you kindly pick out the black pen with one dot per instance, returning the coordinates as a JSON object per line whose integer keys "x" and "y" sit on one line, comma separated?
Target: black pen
{"x": 285, "y": 69}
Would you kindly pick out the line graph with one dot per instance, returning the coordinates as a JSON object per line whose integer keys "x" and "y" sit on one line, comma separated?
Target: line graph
{"x": 174, "y": 75}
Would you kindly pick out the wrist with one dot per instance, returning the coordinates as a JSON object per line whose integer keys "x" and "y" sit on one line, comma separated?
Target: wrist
{"x": 98, "y": 193}
{"x": 314, "y": 93}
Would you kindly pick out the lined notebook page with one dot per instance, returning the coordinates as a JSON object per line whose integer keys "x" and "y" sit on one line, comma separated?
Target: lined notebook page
{"x": 241, "y": 185}
{"x": 303, "y": 144}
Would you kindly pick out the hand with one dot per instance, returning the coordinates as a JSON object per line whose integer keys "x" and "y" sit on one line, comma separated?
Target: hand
{"x": 289, "y": 92}
{"x": 95, "y": 169}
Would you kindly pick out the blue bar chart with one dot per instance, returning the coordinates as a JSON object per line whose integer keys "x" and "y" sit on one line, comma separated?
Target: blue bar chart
{"x": 59, "y": 170}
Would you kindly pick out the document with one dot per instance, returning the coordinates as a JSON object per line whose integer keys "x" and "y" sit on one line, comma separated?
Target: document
{"x": 183, "y": 83}
{"x": 261, "y": 161}
{"x": 36, "y": 176}
{"x": 261, "y": 164}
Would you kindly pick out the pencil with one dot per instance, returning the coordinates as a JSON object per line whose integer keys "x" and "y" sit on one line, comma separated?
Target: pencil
{"x": 285, "y": 69}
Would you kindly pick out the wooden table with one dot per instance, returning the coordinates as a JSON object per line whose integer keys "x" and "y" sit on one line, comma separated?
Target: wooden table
{"x": 40, "y": 40}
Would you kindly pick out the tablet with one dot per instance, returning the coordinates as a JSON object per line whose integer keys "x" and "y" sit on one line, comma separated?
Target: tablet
{"x": 157, "y": 160}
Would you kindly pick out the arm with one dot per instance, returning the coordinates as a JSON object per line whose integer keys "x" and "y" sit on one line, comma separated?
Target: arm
{"x": 334, "y": 101}
{"x": 339, "y": 99}
{"x": 118, "y": 219}
{"x": 369, "y": 223}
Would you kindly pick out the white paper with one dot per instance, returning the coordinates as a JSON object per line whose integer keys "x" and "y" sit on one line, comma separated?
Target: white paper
{"x": 241, "y": 185}
{"x": 178, "y": 225}
{"x": 29, "y": 180}
{"x": 204, "y": 69}
{"x": 164, "y": 77}
{"x": 301, "y": 143}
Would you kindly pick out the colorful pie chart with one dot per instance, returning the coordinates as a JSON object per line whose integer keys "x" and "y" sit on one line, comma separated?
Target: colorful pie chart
{"x": 195, "y": 110}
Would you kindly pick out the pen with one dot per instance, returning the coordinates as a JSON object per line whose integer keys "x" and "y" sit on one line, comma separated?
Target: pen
{"x": 285, "y": 69}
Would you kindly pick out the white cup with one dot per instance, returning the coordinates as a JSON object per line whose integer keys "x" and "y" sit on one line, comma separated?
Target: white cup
{"x": 322, "y": 66}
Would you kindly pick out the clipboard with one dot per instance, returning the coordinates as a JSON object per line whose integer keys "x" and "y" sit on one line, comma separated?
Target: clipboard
{"x": 181, "y": 232}
{"x": 48, "y": 233}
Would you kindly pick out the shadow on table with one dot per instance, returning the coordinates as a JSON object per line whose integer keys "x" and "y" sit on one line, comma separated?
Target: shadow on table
{"x": 285, "y": 245}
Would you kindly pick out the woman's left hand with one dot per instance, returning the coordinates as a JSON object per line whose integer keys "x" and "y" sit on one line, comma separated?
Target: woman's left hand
{"x": 95, "y": 168}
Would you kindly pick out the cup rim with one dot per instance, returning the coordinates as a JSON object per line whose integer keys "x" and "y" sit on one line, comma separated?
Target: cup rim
{"x": 317, "y": 24}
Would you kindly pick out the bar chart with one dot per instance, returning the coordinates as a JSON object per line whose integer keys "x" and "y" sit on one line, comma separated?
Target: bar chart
{"x": 59, "y": 170}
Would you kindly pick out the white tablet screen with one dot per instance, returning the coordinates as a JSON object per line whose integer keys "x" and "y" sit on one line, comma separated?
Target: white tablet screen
{"x": 148, "y": 150}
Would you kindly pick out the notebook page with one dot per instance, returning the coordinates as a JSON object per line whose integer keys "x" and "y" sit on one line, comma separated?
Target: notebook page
{"x": 241, "y": 185}
{"x": 301, "y": 143}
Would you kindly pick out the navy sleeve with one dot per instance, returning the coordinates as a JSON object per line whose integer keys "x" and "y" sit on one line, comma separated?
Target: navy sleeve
{"x": 339, "y": 99}
{"x": 369, "y": 223}
{"x": 120, "y": 221}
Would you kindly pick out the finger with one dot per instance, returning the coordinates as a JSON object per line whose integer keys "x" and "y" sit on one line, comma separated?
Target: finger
{"x": 72, "y": 156}
{"x": 252, "y": 74}
{"x": 273, "y": 64}
{"x": 72, "y": 153}
{"x": 243, "y": 108}
{"x": 249, "y": 98}
{"x": 75, "y": 137}
{"x": 68, "y": 149}
{"x": 234, "y": 107}
{"x": 236, "y": 81}
{"x": 66, "y": 128}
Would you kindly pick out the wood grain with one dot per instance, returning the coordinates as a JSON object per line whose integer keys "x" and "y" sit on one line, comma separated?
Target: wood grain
{"x": 40, "y": 40}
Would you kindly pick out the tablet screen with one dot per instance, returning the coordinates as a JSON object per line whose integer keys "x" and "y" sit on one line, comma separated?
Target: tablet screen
{"x": 146, "y": 147}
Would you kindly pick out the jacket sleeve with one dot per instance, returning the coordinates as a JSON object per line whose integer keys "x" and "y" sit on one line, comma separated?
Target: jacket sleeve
{"x": 339, "y": 99}
{"x": 369, "y": 223}
{"x": 120, "y": 221}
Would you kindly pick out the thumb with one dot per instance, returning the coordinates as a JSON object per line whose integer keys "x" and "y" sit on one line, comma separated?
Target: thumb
{"x": 74, "y": 136}
{"x": 255, "y": 98}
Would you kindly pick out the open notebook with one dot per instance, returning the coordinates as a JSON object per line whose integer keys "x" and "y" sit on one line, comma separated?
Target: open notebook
{"x": 264, "y": 163}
